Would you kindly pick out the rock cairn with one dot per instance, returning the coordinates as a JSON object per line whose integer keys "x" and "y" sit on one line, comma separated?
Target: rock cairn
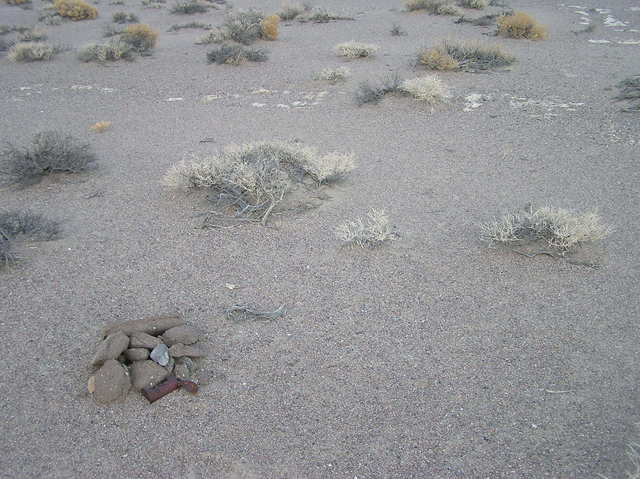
{"x": 153, "y": 355}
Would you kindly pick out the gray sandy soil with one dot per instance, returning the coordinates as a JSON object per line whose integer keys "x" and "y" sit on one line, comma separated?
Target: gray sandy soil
{"x": 432, "y": 357}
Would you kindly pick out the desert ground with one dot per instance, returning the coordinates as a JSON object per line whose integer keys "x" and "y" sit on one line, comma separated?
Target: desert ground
{"x": 434, "y": 355}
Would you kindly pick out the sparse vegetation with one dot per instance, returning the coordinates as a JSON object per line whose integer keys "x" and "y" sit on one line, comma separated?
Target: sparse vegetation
{"x": 477, "y": 4}
{"x": 333, "y": 75}
{"x": 232, "y": 54}
{"x": 243, "y": 27}
{"x": 429, "y": 89}
{"x": 270, "y": 27}
{"x": 17, "y": 3}
{"x": 23, "y": 225}
{"x": 369, "y": 232}
{"x": 630, "y": 90}
{"x": 111, "y": 30}
{"x": 354, "y": 49}
{"x": 50, "y": 16}
{"x": 100, "y": 126}
{"x": 32, "y": 52}
{"x": 251, "y": 181}
{"x": 398, "y": 31}
{"x": 140, "y": 37}
{"x": 368, "y": 93}
{"x": 75, "y": 9}
{"x": 290, "y": 11}
{"x": 451, "y": 55}
{"x": 434, "y": 7}
{"x": 32, "y": 35}
{"x": 123, "y": 17}
{"x": 320, "y": 15}
{"x": 6, "y": 29}
{"x": 194, "y": 25}
{"x": 50, "y": 152}
{"x": 188, "y": 8}
{"x": 559, "y": 229}
{"x": 521, "y": 25}
{"x": 106, "y": 52}
{"x": 153, "y": 3}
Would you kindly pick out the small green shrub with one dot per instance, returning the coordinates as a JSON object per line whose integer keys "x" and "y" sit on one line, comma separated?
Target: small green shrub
{"x": 373, "y": 93}
{"x": 106, "y": 52}
{"x": 243, "y": 27}
{"x": 232, "y": 54}
{"x": 50, "y": 152}
{"x": 123, "y": 17}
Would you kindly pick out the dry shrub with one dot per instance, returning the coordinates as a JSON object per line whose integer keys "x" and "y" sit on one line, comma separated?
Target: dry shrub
{"x": 468, "y": 55}
{"x": 354, "y": 49}
{"x": 521, "y": 25}
{"x": 374, "y": 93}
{"x": 100, "y": 127}
{"x": 561, "y": 229}
{"x": 31, "y": 52}
{"x": 369, "y": 232}
{"x": 243, "y": 27}
{"x": 478, "y": 4}
{"x": 50, "y": 152}
{"x": 107, "y": 52}
{"x": 32, "y": 35}
{"x": 429, "y": 89}
{"x": 630, "y": 90}
{"x": 435, "y": 7}
{"x": 289, "y": 11}
{"x": 320, "y": 15}
{"x": 123, "y": 17}
{"x": 75, "y": 9}
{"x": 23, "y": 225}
{"x": 333, "y": 75}
{"x": 140, "y": 37}
{"x": 270, "y": 27}
{"x": 188, "y": 8}
{"x": 250, "y": 181}
{"x": 17, "y": 2}
{"x": 436, "y": 59}
{"x": 232, "y": 54}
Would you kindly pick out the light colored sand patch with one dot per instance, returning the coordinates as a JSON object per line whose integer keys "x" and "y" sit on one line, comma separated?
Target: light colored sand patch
{"x": 628, "y": 42}
{"x": 551, "y": 107}
{"x": 598, "y": 41}
{"x": 262, "y": 91}
{"x": 81, "y": 87}
{"x": 603, "y": 11}
{"x": 614, "y": 22}
{"x": 175, "y": 99}
{"x": 258, "y": 105}
{"x": 581, "y": 12}
{"x": 209, "y": 98}
{"x": 635, "y": 9}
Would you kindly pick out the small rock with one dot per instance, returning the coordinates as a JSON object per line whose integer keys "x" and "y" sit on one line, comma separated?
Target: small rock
{"x": 179, "y": 350}
{"x": 136, "y": 354}
{"x": 154, "y": 325}
{"x": 160, "y": 354}
{"x": 143, "y": 340}
{"x": 146, "y": 374}
{"x": 91, "y": 384}
{"x": 184, "y": 368}
{"x": 181, "y": 334}
{"x": 110, "y": 348}
{"x": 111, "y": 382}
{"x": 169, "y": 367}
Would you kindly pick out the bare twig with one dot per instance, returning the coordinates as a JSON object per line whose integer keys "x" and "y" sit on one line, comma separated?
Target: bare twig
{"x": 240, "y": 312}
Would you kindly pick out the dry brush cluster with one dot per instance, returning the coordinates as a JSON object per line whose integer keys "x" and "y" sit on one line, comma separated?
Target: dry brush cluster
{"x": 136, "y": 39}
{"x": 468, "y": 55}
{"x": 23, "y": 225}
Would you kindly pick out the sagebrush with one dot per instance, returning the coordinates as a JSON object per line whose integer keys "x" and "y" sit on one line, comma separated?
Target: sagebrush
{"x": 106, "y": 52}
{"x": 23, "y": 225}
{"x": 368, "y": 232}
{"x": 250, "y": 181}
{"x": 123, "y": 17}
{"x": 232, "y": 54}
{"x": 368, "y": 92}
{"x": 465, "y": 55}
{"x": 245, "y": 27}
{"x": 188, "y": 8}
{"x": 32, "y": 35}
{"x": 477, "y": 4}
{"x": 49, "y": 152}
{"x": 435, "y": 7}
{"x": 140, "y": 37}
{"x": 521, "y": 25}
{"x": 32, "y": 52}
{"x": 429, "y": 89}
{"x": 558, "y": 228}
{"x": 355, "y": 49}
{"x": 333, "y": 75}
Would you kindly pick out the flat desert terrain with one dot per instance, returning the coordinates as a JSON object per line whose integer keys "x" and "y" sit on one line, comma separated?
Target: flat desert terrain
{"x": 434, "y": 355}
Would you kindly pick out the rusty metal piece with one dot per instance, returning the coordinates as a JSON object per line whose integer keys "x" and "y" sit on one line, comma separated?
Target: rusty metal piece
{"x": 161, "y": 390}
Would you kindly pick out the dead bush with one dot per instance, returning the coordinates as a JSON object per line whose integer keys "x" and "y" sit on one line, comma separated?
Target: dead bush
{"x": 429, "y": 89}
{"x": 333, "y": 75}
{"x": 243, "y": 27}
{"x": 468, "y": 55}
{"x": 23, "y": 225}
{"x": 123, "y": 17}
{"x": 477, "y": 4}
{"x": 630, "y": 90}
{"x": 270, "y": 26}
{"x": 32, "y": 52}
{"x": 521, "y": 25}
{"x": 50, "y": 152}
{"x": 369, "y": 232}
{"x": 354, "y": 49}
{"x": 106, "y": 52}
{"x": 559, "y": 229}
{"x": 140, "y": 37}
{"x": 249, "y": 182}
{"x": 434, "y": 7}
{"x": 75, "y": 9}
{"x": 232, "y": 54}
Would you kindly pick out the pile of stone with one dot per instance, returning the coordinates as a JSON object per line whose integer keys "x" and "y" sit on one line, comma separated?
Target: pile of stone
{"x": 153, "y": 355}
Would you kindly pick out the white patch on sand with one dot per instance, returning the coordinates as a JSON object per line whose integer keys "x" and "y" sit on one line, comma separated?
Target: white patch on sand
{"x": 635, "y": 9}
{"x": 209, "y": 98}
{"x": 475, "y": 100}
{"x": 598, "y": 41}
{"x": 613, "y": 22}
{"x": 107, "y": 90}
{"x": 282, "y": 105}
{"x": 175, "y": 99}
{"x": 550, "y": 106}
{"x": 81, "y": 87}
{"x": 602, "y": 11}
{"x": 258, "y": 105}
{"x": 581, "y": 12}
{"x": 628, "y": 42}
{"x": 260, "y": 91}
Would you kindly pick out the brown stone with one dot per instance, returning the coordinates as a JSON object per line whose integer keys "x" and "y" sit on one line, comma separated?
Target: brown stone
{"x": 145, "y": 374}
{"x": 137, "y": 354}
{"x": 180, "y": 350}
{"x": 110, "y": 348}
{"x": 111, "y": 382}
{"x": 143, "y": 340}
{"x": 153, "y": 325}
{"x": 180, "y": 334}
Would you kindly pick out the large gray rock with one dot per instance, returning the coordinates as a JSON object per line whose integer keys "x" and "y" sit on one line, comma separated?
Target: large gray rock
{"x": 180, "y": 334}
{"x": 143, "y": 340}
{"x": 112, "y": 347}
{"x": 181, "y": 350}
{"x": 136, "y": 354}
{"x": 111, "y": 383}
{"x": 146, "y": 374}
{"x": 154, "y": 325}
